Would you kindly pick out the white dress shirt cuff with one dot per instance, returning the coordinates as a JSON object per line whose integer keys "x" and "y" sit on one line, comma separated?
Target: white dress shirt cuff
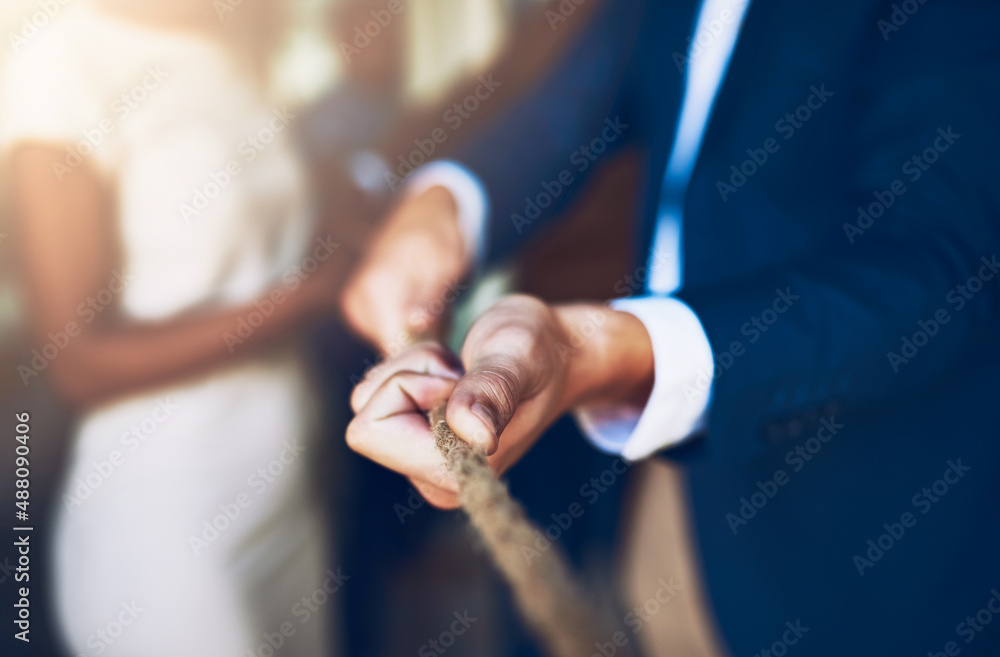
{"x": 683, "y": 371}
{"x": 470, "y": 198}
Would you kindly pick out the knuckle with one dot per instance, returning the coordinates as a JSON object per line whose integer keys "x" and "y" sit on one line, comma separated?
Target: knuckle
{"x": 430, "y": 356}
{"x": 353, "y": 435}
{"x": 500, "y": 387}
{"x": 524, "y": 303}
{"x": 356, "y": 396}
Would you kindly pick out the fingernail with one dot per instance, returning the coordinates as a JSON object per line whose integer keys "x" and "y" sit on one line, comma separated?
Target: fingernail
{"x": 483, "y": 414}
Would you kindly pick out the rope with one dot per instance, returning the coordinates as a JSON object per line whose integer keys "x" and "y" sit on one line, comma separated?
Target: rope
{"x": 548, "y": 597}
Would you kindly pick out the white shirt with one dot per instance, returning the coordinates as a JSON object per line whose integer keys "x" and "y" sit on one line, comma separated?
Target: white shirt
{"x": 678, "y": 403}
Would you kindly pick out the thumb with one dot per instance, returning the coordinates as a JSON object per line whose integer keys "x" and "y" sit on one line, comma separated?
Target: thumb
{"x": 484, "y": 401}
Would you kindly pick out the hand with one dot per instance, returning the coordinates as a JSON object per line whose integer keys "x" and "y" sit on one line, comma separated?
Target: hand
{"x": 526, "y": 364}
{"x": 409, "y": 274}
{"x": 390, "y": 426}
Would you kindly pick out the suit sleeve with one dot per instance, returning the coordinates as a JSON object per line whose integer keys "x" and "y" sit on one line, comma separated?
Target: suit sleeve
{"x": 533, "y": 150}
{"x": 896, "y": 307}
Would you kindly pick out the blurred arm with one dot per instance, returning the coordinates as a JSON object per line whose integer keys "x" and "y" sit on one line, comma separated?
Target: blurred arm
{"x": 539, "y": 145}
{"x": 471, "y": 201}
{"x": 67, "y": 235}
{"x": 422, "y": 252}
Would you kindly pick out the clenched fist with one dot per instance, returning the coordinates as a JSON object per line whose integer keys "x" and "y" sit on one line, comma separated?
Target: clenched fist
{"x": 406, "y": 282}
{"x": 523, "y": 365}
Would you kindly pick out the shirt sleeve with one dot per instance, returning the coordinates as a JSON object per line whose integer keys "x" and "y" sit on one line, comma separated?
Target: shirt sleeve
{"x": 470, "y": 197}
{"x": 683, "y": 373}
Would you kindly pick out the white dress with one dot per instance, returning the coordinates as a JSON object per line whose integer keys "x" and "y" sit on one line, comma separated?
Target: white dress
{"x": 188, "y": 526}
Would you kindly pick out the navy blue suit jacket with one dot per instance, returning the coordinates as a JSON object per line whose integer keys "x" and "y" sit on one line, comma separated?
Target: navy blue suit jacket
{"x": 848, "y": 476}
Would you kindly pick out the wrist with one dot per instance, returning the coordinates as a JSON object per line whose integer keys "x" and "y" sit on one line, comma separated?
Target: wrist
{"x": 437, "y": 212}
{"x": 469, "y": 196}
{"x": 608, "y": 356}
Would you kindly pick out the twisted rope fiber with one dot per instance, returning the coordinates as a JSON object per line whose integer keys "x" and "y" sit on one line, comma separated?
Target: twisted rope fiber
{"x": 549, "y": 599}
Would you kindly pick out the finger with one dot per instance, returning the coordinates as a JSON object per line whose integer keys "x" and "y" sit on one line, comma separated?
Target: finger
{"x": 435, "y": 495}
{"x": 421, "y": 320}
{"x": 425, "y": 357}
{"x": 485, "y": 400}
{"x": 392, "y": 428}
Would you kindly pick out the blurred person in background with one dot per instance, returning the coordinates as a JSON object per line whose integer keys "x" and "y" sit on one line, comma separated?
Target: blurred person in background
{"x": 364, "y": 107}
{"x": 341, "y": 133}
{"x": 170, "y": 257}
